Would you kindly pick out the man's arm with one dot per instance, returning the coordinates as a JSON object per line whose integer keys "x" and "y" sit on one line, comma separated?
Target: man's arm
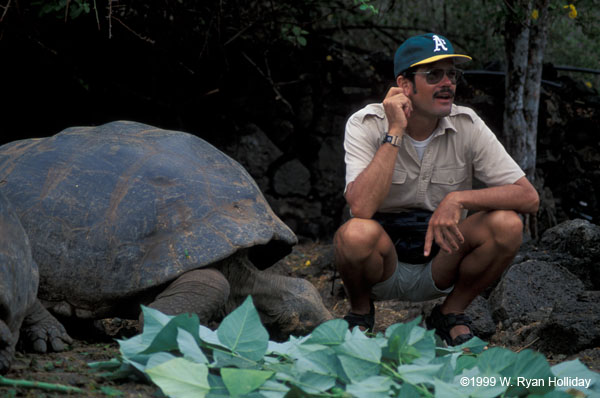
{"x": 443, "y": 226}
{"x": 366, "y": 193}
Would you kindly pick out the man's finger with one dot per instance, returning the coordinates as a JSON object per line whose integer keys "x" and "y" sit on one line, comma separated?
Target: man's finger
{"x": 456, "y": 231}
{"x": 428, "y": 241}
{"x": 439, "y": 239}
{"x": 451, "y": 238}
{"x": 394, "y": 91}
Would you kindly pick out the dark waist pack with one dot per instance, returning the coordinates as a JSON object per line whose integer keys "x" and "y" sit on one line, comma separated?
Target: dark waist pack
{"x": 407, "y": 231}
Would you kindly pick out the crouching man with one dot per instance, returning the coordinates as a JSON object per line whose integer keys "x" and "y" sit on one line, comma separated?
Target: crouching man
{"x": 410, "y": 162}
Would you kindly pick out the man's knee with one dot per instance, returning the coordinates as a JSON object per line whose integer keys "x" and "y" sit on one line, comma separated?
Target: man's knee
{"x": 507, "y": 228}
{"x": 358, "y": 233}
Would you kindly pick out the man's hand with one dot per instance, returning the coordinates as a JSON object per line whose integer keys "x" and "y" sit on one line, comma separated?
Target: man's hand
{"x": 443, "y": 226}
{"x": 397, "y": 109}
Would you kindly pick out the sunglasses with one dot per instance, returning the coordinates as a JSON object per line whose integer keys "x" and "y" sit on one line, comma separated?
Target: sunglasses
{"x": 434, "y": 76}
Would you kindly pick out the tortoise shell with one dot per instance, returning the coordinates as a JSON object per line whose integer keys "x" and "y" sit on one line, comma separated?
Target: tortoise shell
{"x": 115, "y": 210}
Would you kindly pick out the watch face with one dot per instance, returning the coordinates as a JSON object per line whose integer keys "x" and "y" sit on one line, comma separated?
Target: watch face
{"x": 392, "y": 139}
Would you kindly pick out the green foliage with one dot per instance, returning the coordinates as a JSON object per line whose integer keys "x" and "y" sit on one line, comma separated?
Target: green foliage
{"x": 294, "y": 34}
{"x": 365, "y": 5}
{"x": 186, "y": 359}
{"x": 59, "y": 8}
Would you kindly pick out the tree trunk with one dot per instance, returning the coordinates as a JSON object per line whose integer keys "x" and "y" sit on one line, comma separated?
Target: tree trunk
{"x": 525, "y": 42}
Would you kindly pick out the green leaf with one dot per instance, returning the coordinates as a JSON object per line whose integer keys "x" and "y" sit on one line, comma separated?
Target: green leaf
{"x": 399, "y": 336}
{"x": 324, "y": 362}
{"x": 273, "y": 389}
{"x": 157, "y": 358}
{"x": 154, "y": 321}
{"x": 332, "y": 332}
{"x": 448, "y": 390}
{"x": 111, "y": 392}
{"x": 208, "y": 336}
{"x": 224, "y": 359}
{"x": 188, "y": 346}
{"x": 243, "y": 333}
{"x": 217, "y": 387}
{"x": 313, "y": 383}
{"x": 372, "y": 387}
{"x": 181, "y": 378}
{"x": 529, "y": 365}
{"x": 359, "y": 357}
{"x": 480, "y": 385}
{"x": 243, "y": 381}
{"x": 448, "y": 366}
{"x": 496, "y": 360}
{"x": 575, "y": 370}
{"x": 301, "y": 40}
{"x": 113, "y": 364}
{"x": 417, "y": 374}
{"x": 156, "y": 336}
{"x": 166, "y": 339}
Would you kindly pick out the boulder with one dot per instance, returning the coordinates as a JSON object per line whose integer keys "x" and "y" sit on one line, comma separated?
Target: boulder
{"x": 292, "y": 178}
{"x": 573, "y": 325}
{"x": 575, "y": 244}
{"x": 528, "y": 291}
{"x": 479, "y": 312}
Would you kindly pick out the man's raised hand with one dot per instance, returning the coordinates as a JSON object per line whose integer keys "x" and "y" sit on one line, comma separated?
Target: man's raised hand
{"x": 398, "y": 108}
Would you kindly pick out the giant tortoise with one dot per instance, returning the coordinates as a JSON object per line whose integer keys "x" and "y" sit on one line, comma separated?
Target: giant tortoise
{"x": 18, "y": 289}
{"x": 125, "y": 214}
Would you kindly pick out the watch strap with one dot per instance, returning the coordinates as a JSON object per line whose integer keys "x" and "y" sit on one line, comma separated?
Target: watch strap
{"x": 395, "y": 140}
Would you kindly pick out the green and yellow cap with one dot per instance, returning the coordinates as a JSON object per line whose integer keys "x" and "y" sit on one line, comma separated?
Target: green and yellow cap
{"x": 424, "y": 49}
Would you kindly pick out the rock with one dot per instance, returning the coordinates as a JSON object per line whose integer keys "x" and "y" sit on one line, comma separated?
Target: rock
{"x": 329, "y": 173}
{"x": 575, "y": 244}
{"x": 292, "y": 178}
{"x": 577, "y": 237}
{"x": 574, "y": 325}
{"x": 256, "y": 152}
{"x": 528, "y": 291}
{"x": 479, "y": 312}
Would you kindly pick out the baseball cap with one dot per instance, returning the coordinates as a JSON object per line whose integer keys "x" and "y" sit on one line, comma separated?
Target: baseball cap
{"x": 424, "y": 49}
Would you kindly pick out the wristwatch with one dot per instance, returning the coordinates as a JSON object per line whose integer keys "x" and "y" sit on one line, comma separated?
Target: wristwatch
{"x": 395, "y": 140}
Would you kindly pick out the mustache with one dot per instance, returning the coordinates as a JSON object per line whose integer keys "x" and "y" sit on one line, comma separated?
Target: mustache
{"x": 444, "y": 90}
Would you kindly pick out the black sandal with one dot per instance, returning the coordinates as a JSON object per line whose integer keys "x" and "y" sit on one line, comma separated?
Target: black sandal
{"x": 365, "y": 320}
{"x": 442, "y": 323}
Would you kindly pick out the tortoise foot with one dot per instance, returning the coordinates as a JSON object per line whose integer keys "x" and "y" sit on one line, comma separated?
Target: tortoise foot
{"x": 286, "y": 305}
{"x": 7, "y": 347}
{"x": 42, "y": 332}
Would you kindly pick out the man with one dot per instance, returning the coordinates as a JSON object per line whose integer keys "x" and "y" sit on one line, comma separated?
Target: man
{"x": 410, "y": 162}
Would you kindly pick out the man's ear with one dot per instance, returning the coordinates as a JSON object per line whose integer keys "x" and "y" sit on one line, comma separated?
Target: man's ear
{"x": 405, "y": 84}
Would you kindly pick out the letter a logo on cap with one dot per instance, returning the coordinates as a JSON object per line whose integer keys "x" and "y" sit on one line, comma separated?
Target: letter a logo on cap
{"x": 440, "y": 44}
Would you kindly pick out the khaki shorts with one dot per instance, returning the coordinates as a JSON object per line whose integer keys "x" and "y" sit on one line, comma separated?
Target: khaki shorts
{"x": 410, "y": 282}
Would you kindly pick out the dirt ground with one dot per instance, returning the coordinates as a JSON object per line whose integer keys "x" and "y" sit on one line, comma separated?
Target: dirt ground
{"x": 311, "y": 260}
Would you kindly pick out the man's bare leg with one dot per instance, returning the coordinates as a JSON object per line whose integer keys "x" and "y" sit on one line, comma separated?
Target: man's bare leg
{"x": 364, "y": 255}
{"x": 492, "y": 239}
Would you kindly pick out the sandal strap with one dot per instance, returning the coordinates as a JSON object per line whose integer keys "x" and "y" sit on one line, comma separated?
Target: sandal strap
{"x": 365, "y": 320}
{"x": 462, "y": 338}
{"x": 442, "y": 323}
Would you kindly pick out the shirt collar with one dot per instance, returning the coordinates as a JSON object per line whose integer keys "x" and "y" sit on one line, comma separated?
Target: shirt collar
{"x": 446, "y": 123}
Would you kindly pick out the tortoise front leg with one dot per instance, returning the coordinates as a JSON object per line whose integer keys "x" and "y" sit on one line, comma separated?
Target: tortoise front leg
{"x": 201, "y": 291}
{"x": 42, "y": 332}
{"x": 7, "y": 347}
{"x": 286, "y": 305}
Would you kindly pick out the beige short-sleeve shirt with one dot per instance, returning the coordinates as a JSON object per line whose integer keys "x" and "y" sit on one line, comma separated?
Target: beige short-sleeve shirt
{"x": 462, "y": 148}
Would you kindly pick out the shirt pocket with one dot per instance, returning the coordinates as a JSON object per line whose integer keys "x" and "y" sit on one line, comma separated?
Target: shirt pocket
{"x": 444, "y": 181}
{"x": 453, "y": 176}
{"x": 399, "y": 176}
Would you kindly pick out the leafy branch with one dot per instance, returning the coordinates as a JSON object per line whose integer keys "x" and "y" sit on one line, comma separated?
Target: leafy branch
{"x": 186, "y": 359}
